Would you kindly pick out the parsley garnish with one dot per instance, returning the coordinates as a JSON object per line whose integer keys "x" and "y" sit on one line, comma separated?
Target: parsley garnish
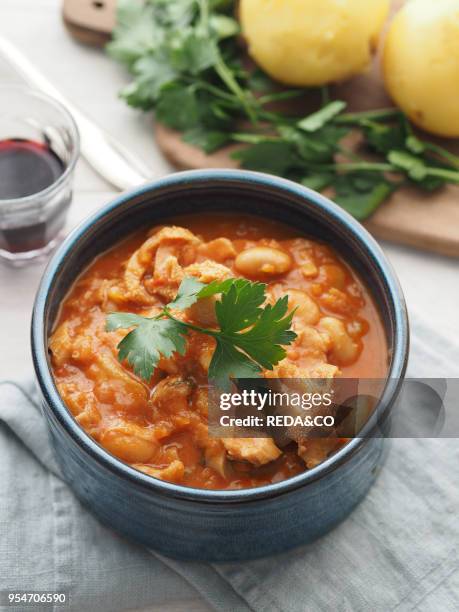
{"x": 250, "y": 336}
{"x": 185, "y": 59}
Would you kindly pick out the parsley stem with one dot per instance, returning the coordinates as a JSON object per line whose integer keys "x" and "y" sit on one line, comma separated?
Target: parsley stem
{"x": 276, "y": 117}
{"x": 454, "y": 159}
{"x": 226, "y": 75}
{"x": 204, "y": 13}
{"x": 384, "y": 113}
{"x": 228, "y": 78}
{"x": 254, "y": 138}
{"x": 281, "y": 95}
{"x": 209, "y": 332}
{"x": 325, "y": 94}
{"x": 358, "y": 167}
{"x": 216, "y": 91}
{"x": 449, "y": 175}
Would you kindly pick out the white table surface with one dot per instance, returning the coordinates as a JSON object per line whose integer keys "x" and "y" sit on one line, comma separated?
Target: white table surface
{"x": 91, "y": 81}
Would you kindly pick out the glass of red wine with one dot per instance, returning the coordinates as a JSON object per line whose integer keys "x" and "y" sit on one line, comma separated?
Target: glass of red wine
{"x": 39, "y": 147}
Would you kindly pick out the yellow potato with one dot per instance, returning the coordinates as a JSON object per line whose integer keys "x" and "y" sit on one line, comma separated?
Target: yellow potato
{"x": 421, "y": 64}
{"x": 312, "y": 42}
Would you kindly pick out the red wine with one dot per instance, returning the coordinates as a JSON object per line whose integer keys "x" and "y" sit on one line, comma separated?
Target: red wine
{"x": 27, "y": 168}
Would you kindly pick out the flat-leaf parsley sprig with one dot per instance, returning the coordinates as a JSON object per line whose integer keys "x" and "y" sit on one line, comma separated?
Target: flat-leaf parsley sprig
{"x": 251, "y": 336}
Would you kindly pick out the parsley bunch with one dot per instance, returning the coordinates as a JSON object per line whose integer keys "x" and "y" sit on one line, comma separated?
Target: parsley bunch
{"x": 250, "y": 337}
{"x": 185, "y": 56}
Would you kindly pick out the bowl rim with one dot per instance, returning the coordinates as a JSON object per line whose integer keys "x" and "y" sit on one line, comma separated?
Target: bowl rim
{"x": 399, "y": 355}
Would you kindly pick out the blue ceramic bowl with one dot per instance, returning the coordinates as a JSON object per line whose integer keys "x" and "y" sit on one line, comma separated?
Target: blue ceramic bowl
{"x": 198, "y": 524}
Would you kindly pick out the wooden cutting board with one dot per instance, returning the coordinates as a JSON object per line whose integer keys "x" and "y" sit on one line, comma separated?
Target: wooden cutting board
{"x": 90, "y": 21}
{"x": 411, "y": 217}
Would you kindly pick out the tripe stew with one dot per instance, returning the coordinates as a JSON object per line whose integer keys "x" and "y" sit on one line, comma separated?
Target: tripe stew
{"x": 160, "y": 428}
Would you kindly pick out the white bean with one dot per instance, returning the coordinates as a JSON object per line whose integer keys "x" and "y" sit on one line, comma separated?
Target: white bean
{"x": 306, "y": 308}
{"x": 263, "y": 261}
{"x": 343, "y": 350}
{"x": 129, "y": 443}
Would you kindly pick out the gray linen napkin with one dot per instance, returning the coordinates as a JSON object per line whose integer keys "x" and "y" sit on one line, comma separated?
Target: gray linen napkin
{"x": 398, "y": 551}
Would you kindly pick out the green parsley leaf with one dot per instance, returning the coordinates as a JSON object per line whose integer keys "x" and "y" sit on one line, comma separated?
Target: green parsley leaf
{"x": 173, "y": 14}
{"x": 271, "y": 157}
{"x": 415, "y": 145}
{"x": 227, "y": 363}
{"x": 207, "y": 140}
{"x": 317, "y": 120}
{"x": 178, "y": 106}
{"x": 250, "y": 336}
{"x": 224, "y": 26}
{"x": 188, "y": 293}
{"x": 143, "y": 347}
{"x": 135, "y": 33}
{"x": 239, "y": 306}
{"x": 123, "y": 320}
{"x": 152, "y": 73}
{"x": 263, "y": 342}
{"x": 319, "y": 147}
{"x": 383, "y": 138}
{"x": 362, "y": 204}
{"x": 224, "y": 286}
{"x": 192, "y": 53}
{"x": 260, "y": 82}
{"x": 318, "y": 180}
